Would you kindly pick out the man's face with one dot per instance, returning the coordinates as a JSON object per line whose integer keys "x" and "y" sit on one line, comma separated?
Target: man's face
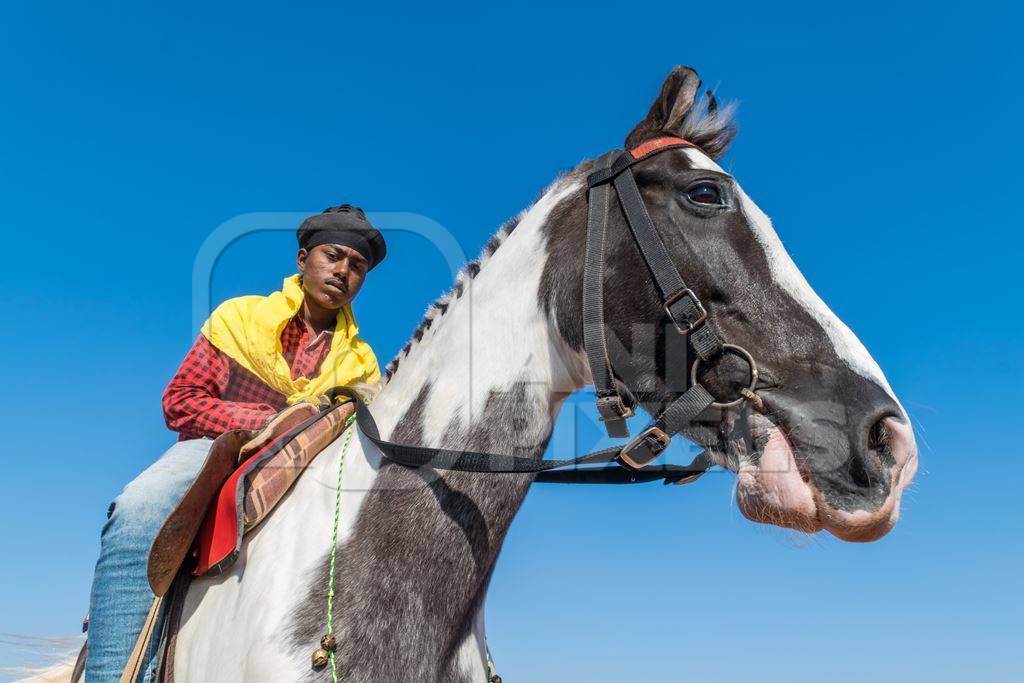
{"x": 332, "y": 274}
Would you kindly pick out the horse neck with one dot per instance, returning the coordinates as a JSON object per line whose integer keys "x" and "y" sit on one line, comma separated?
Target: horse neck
{"x": 493, "y": 341}
{"x": 487, "y": 375}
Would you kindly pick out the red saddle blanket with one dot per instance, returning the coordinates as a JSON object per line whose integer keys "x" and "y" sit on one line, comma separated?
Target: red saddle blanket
{"x": 245, "y": 475}
{"x": 258, "y": 484}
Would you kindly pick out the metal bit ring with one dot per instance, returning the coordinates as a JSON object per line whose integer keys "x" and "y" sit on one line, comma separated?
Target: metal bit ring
{"x": 736, "y": 351}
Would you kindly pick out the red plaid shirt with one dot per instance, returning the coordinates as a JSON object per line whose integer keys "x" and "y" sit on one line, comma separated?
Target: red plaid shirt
{"x": 211, "y": 393}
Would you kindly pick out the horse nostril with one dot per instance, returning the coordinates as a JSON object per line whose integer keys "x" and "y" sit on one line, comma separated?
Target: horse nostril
{"x": 880, "y": 443}
{"x": 860, "y": 473}
{"x": 867, "y": 469}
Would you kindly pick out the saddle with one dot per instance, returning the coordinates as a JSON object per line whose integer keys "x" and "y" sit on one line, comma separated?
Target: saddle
{"x": 244, "y": 476}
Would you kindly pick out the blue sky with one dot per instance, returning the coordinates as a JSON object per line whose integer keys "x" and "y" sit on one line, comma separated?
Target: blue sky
{"x": 882, "y": 138}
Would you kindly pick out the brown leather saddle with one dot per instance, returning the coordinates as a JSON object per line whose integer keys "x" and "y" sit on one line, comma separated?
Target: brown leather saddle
{"x": 230, "y": 450}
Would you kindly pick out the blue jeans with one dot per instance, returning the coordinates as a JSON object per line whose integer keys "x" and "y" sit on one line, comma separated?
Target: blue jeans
{"x": 121, "y": 596}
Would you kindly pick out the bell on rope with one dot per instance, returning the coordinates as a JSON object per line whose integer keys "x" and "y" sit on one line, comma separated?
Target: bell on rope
{"x": 320, "y": 658}
{"x": 328, "y": 643}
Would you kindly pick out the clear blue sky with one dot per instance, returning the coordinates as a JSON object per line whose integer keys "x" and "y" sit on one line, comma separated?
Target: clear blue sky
{"x": 883, "y": 139}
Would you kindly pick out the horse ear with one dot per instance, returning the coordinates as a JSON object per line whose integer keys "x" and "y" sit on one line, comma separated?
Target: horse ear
{"x": 674, "y": 102}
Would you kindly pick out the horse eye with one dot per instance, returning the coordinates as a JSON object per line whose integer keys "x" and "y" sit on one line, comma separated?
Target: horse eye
{"x": 705, "y": 193}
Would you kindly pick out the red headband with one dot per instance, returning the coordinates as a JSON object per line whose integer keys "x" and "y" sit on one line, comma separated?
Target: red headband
{"x": 658, "y": 144}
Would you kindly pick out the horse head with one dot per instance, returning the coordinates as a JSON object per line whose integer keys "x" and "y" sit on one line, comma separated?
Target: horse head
{"x": 822, "y": 442}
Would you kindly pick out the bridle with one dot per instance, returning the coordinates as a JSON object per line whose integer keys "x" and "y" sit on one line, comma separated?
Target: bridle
{"x": 681, "y": 305}
{"x": 685, "y": 312}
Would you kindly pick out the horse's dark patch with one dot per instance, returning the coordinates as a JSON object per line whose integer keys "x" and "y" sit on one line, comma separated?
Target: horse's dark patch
{"x": 409, "y": 428}
{"x": 416, "y": 568}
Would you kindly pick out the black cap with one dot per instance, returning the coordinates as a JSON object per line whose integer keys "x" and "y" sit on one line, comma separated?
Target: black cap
{"x": 345, "y": 225}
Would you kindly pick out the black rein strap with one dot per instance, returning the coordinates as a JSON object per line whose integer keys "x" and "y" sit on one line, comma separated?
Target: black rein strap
{"x": 496, "y": 463}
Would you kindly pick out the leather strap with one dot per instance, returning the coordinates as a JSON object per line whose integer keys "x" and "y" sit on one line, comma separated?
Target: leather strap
{"x": 667, "y": 474}
{"x": 637, "y": 154}
{"x": 678, "y": 415}
{"x": 497, "y": 463}
{"x": 467, "y": 461}
{"x": 79, "y": 669}
{"x": 611, "y": 406}
{"x": 133, "y": 667}
{"x": 681, "y": 303}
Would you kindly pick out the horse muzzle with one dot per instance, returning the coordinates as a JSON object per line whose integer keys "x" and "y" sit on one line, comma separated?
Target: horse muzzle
{"x": 855, "y": 498}
{"x": 900, "y": 465}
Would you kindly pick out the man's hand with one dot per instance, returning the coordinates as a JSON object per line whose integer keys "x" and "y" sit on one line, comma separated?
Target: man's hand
{"x": 277, "y": 425}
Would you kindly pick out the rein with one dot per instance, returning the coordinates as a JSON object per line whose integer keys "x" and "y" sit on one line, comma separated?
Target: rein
{"x": 629, "y": 463}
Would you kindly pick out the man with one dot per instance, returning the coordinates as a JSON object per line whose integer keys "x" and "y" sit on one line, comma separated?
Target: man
{"x": 255, "y": 356}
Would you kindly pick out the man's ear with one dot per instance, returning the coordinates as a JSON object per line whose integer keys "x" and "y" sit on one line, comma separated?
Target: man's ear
{"x": 300, "y": 259}
{"x": 674, "y": 102}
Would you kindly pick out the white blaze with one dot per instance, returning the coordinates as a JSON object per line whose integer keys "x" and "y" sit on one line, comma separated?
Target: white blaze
{"x": 785, "y": 273}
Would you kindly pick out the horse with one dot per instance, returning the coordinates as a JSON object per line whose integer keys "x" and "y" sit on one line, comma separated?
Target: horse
{"x": 822, "y": 443}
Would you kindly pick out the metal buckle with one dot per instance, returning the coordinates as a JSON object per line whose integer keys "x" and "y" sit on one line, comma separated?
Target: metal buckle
{"x": 702, "y": 314}
{"x": 612, "y": 408}
{"x": 661, "y": 442}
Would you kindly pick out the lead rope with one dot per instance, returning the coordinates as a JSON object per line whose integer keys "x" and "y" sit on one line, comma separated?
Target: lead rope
{"x": 325, "y": 654}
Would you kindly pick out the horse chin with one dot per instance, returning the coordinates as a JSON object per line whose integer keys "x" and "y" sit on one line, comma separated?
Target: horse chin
{"x": 773, "y": 490}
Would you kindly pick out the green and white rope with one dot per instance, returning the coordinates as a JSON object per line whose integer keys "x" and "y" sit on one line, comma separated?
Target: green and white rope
{"x": 334, "y": 543}
{"x": 491, "y": 674}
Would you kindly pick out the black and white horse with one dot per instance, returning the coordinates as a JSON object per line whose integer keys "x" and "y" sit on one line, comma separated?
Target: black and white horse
{"x": 830, "y": 448}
